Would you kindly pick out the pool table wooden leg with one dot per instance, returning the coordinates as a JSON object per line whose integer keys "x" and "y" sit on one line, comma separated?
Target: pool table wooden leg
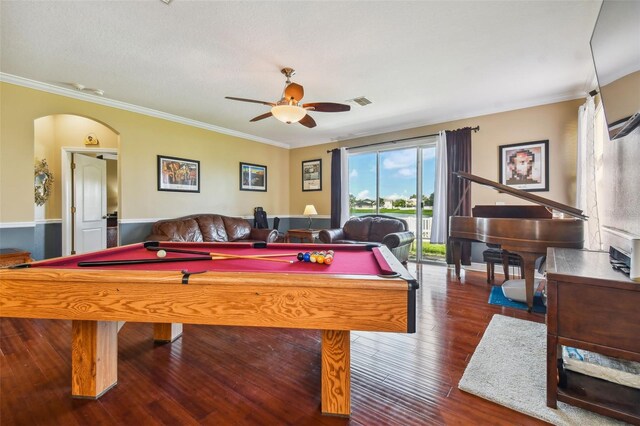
{"x": 94, "y": 358}
{"x": 336, "y": 373}
{"x": 166, "y": 332}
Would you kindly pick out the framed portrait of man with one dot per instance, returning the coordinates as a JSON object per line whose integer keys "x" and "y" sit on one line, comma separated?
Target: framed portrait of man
{"x": 525, "y": 166}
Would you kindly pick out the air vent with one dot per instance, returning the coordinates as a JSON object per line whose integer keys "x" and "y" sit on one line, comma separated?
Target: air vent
{"x": 362, "y": 101}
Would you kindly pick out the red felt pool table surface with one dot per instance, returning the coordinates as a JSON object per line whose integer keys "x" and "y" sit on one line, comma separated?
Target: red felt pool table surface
{"x": 347, "y": 259}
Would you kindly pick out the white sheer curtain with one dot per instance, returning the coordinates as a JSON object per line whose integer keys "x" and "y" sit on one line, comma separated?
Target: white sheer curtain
{"x": 439, "y": 225}
{"x": 344, "y": 178}
{"x": 588, "y": 159}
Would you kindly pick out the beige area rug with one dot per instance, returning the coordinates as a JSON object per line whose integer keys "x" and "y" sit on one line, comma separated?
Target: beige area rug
{"x": 509, "y": 368}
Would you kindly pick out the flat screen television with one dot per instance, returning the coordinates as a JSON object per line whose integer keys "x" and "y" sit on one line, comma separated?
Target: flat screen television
{"x": 615, "y": 47}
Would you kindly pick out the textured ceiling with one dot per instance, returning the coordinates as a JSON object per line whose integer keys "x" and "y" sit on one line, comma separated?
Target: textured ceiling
{"x": 419, "y": 62}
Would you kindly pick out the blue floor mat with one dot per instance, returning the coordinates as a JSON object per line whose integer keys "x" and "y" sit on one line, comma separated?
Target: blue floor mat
{"x": 497, "y": 298}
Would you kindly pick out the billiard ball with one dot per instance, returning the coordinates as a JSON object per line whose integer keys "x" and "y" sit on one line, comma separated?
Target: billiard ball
{"x": 313, "y": 258}
{"x": 320, "y": 258}
{"x": 161, "y": 253}
{"x": 328, "y": 260}
{"x": 307, "y": 257}
{"x": 301, "y": 256}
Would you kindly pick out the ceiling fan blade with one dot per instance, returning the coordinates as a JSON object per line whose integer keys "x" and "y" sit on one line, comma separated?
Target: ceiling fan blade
{"x": 261, "y": 117}
{"x": 295, "y": 91}
{"x": 307, "y": 121}
{"x": 250, "y": 100}
{"x": 327, "y": 107}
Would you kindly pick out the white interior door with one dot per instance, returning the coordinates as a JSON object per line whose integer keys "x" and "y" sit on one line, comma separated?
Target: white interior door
{"x": 90, "y": 199}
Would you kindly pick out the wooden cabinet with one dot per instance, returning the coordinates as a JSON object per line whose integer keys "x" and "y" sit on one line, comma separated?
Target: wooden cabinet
{"x": 11, "y": 256}
{"x": 304, "y": 235}
{"x": 592, "y": 307}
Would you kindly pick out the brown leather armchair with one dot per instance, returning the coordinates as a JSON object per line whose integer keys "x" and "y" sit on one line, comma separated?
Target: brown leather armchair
{"x": 390, "y": 231}
{"x": 209, "y": 228}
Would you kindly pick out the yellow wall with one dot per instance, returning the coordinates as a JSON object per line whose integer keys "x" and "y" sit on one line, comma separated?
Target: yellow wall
{"x": 556, "y": 122}
{"x": 142, "y": 138}
{"x": 320, "y": 199}
{"x": 45, "y": 149}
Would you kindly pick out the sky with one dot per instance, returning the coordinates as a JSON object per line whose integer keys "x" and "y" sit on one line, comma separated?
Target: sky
{"x": 398, "y": 171}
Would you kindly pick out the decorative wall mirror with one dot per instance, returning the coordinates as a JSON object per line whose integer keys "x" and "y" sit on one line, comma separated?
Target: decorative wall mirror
{"x": 42, "y": 182}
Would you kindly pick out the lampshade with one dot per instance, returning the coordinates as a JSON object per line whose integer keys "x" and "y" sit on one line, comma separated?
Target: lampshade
{"x": 288, "y": 113}
{"x": 310, "y": 210}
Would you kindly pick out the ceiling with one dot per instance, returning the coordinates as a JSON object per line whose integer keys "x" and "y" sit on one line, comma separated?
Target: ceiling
{"x": 419, "y": 62}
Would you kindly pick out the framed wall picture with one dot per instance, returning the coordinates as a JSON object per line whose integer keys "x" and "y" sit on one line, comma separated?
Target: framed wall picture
{"x": 178, "y": 174}
{"x": 525, "y": 165}
{"x": 312, "y": 175}
{"x": 253, "y": 177}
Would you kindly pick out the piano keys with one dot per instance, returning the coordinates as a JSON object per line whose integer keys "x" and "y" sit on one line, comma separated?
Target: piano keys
{"x": 524, "y": 230}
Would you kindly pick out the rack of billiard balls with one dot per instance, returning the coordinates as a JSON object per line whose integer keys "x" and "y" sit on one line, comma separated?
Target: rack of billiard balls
{"x": 325, "y": 257}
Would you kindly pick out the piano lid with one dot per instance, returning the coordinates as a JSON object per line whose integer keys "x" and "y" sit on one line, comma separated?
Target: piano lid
{"x": 572, "y": 211}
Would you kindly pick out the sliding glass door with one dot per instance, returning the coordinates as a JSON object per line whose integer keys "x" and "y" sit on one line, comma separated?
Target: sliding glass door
{"x": 397, "y": 182}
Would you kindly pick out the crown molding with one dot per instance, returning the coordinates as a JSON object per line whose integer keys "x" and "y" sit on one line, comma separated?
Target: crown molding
{"x": 70, "y": 93}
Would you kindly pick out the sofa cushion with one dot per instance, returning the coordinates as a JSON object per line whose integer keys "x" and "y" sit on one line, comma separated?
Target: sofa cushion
{"x": 237, "y": 228}
{"x": 357, "y": 228}
{"x": 381, "y": 226}
{"x": 182, "y": 230}
{"x": 212, "y": 227}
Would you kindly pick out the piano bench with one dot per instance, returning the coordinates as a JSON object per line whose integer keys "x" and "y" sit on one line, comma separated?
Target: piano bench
{"x": 492, "y": 256}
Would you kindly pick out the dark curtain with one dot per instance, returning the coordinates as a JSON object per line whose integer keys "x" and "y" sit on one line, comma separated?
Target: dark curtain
{"x": 336, "y": 189}
{"x": 459, "y": 193}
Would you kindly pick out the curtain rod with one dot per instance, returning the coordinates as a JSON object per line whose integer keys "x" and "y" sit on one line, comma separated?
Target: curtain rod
{"x": 474, "y": 129}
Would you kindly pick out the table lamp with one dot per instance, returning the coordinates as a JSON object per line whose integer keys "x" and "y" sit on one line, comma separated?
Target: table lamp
{"x": 310, "y": 210}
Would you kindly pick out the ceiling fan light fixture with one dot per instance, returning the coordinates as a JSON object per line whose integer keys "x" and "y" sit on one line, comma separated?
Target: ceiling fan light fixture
{"x": 289, "y": 109}
{"x": 288, "y": 113}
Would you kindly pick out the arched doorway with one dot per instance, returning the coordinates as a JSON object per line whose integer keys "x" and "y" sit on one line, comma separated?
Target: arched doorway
{"x": 58, "y": 138}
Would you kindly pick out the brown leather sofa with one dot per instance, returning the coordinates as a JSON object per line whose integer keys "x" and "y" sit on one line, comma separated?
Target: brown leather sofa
{"x": 209, "y": 228}
{"x": 390, "y": 231}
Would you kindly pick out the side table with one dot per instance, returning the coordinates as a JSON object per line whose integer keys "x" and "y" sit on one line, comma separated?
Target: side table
{"x": 304, "y": 235}
{"x": 590, "y": 306}
{"x": 11, "y": 256}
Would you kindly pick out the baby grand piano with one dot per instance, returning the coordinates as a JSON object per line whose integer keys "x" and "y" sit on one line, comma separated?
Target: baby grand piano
{"x": 524, "y": 230}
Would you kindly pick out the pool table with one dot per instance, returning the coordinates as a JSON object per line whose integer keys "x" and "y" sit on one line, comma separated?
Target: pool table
{"x": 364, "y": 288}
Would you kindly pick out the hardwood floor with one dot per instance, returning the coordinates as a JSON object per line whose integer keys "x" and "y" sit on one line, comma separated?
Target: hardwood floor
{"x": 263, "y": 376}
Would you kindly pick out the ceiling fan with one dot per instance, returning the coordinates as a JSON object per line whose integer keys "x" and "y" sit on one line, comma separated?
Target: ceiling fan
{"x": 288, "y": 109}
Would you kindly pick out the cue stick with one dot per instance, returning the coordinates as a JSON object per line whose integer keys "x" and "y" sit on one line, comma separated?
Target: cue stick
{"x": 140, "y": 261}
{"x": 253, "y": 256}
{"x": 265, "y": 257}
{"x": 206, "y": 253}
{"x": 174, "y": 250}
{"x": 172, "y": 259}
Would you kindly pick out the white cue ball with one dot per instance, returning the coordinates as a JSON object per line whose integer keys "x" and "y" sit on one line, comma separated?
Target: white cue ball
{"x": 161, "y": 253}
